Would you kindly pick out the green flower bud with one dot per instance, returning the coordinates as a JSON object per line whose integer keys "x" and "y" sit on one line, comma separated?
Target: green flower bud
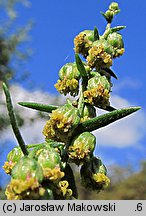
{"x": 109, "y": 16}
{"x": 100, "y": 55}
{"x": 15, "y": 154}
{"x": 83, "y": 42}
{"x": 82, "y": 147}
{"x": 114, "y": 7}
{"x": 62, "y": 123}
{"x": 13, "y": 157}
{"x": 69, "y": 79}
{"x": 88, "y": 112}
{"x": 98, "y": 89}
{"x": 116, "y": 40}
{"x": 27, "y": 168}
{"x": 93, "y": 175}
{"x": 49, "y": 159}
{"x": 70, "y": 71}
{"x": 89, "y": 35}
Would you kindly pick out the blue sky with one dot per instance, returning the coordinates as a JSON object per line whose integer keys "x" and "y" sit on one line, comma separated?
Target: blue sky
{"x": 56, "y": 23}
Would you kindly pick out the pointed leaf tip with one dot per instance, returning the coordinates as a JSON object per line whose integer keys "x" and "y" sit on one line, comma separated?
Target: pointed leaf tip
{"x": 80, "y": 66}
{"x": 108, "y": 70}
{"x": 5, "y": 87}
{"x": 96, "y": 34}
{"x": 38, "y": 106}
{"x": 105, "y": 119}
{"x": 117, "y": 28}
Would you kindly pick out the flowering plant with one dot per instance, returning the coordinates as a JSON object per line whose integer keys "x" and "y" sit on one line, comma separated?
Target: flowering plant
{"x": 43, "y": 171}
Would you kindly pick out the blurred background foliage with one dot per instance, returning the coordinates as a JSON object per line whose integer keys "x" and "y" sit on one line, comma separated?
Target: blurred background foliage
{"x": 125, "y": 182}
{"x": 13, "y": 47}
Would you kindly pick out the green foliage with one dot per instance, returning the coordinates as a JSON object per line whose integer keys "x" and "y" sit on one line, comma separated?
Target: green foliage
{"x": 10, "y": 39}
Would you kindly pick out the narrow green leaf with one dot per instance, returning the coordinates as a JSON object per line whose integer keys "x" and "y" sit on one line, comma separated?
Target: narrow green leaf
{"x": 38, "y": 106}
{"x": 108, "y": 70}
{"x": 13, "y": 120}
{"x": 117, "y": 28}
{"x": 80, "y": 66}
{"x": 103, "y": 14}
{"x": 105, "y": 119}
{"x": 96, "y": 34}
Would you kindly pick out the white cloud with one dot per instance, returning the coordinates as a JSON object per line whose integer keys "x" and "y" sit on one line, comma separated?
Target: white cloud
{"x": 32, "y": 130}
{"x": 123, "y": 133}
{"x": 127, "y": 83}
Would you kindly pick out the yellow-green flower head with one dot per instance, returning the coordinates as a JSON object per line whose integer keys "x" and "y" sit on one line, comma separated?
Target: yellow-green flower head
{"x": 64, "y": 189}
{"x": 116, "y": 40}
{"x": 29, "y": 189}
{"x": 12, "y": 158}
{"x": 66, "y": 86}
{"x": 27, "y": 168}
{"x": 82, "y": 147}
{"x": 83, "y": 42}
{"x": 69, "y": 79}
{"x": 101, "y": 179}
{"x": 88, "y": 112}
{"x": 62, "y": 122}
{"x": 93, "y": 174}
{"x": 100, "y": 55}
{"x": 26, "y": 177}
{"x": 98, "y": 91}
{"x": 49, "y": 159}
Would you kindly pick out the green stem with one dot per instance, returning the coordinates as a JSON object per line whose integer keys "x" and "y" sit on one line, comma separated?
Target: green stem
{"x": 81, "y": 101}
{"x": 81, "y": 96}
{"x": 107, "y": 30}
{"x": 13, "y": 120}
{"x": 34, "y": 145}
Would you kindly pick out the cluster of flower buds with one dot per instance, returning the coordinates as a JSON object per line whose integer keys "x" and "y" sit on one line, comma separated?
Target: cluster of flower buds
{"x": 39, "y": 175}
{"x": 99, "y": 52}
{"x": 111, "y": 12}
{"x": 43, "y": 171}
